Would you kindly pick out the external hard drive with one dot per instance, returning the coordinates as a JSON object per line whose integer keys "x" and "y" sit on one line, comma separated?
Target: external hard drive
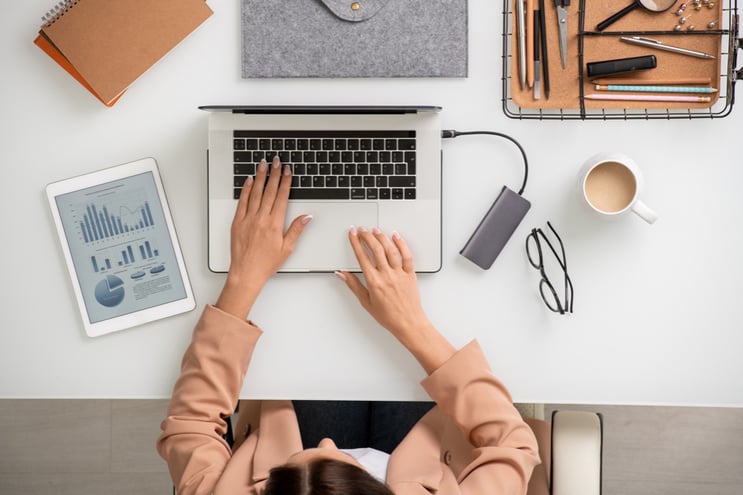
{"x": 496, "y": 228}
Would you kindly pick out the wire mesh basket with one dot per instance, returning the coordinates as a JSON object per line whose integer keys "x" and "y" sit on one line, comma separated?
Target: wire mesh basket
{"x": 729, "y": 44}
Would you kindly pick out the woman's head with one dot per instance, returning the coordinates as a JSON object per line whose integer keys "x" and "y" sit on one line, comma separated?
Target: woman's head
{"x": 323, "y": 471}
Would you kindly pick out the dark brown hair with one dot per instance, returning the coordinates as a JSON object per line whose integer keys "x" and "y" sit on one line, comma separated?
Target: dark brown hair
{"x": 323, "y": 477}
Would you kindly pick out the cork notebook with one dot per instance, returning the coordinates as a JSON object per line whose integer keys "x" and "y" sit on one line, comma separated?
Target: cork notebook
{"x": 698, "y": 31}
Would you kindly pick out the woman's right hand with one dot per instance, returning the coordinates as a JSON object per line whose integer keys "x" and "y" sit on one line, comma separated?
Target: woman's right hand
{"x": 391, "y": 294}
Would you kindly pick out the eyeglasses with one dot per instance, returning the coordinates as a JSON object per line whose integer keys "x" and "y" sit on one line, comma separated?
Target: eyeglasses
{"x": 546, "y": 288}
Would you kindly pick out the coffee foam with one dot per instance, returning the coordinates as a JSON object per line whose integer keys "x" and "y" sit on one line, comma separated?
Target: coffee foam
{"x": 610, "y": 187}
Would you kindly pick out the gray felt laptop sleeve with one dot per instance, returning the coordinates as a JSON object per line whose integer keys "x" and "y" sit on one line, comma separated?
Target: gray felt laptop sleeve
{"x": 354, "y": 38}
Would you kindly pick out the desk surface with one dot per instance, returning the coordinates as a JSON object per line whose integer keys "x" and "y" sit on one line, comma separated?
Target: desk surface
{"x": 657, "y": 313}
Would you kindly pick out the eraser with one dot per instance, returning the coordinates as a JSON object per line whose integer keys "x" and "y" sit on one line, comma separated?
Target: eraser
{"x": 496, "y": 228}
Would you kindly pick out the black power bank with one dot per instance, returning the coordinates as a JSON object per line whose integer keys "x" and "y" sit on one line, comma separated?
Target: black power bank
{"x": 496, "y": 228}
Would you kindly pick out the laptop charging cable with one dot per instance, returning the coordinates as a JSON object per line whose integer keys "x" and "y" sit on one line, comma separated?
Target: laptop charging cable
{"x": 503, "y": 216}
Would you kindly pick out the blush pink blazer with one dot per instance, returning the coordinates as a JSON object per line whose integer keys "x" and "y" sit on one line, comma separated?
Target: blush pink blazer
{"x": 473, "y": 442}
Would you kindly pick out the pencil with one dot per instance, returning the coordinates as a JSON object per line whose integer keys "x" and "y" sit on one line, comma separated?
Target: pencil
{"x": 676, "y": 98}
{"x": 685, "y": 80}
{"x": 654, "y": 88}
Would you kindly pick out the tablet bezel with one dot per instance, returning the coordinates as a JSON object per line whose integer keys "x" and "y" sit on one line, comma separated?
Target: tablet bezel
{"x": 119, "y": 172}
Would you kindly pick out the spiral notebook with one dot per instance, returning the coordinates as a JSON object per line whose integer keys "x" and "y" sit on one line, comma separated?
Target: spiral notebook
{"x": 107, "y": 45}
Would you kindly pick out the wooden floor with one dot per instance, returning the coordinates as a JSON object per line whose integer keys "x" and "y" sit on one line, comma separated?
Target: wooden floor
{"x": 86, "y": 447}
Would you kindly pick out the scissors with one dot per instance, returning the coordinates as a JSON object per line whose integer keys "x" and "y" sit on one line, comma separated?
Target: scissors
{"x": 562, "y": 24}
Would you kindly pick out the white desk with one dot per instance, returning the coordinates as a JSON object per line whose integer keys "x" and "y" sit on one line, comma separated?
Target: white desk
{"x": 658, "y": 317}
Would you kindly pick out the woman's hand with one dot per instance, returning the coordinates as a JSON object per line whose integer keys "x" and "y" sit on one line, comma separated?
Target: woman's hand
{"x": 391, "y": 294}
{"x": 258, "y": 245}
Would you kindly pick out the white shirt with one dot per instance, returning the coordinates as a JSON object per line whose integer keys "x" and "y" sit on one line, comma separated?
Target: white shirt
{"x": 374, "y": 461}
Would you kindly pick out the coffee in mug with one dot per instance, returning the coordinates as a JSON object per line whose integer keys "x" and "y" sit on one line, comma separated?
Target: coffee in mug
{"x": 611, "y": 183}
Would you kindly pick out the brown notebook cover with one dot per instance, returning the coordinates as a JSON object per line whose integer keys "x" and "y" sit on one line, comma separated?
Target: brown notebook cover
{"x": 109, "y": 44}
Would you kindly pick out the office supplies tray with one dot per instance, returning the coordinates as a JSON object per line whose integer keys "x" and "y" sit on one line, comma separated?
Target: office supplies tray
{"x": 710, "y": 27}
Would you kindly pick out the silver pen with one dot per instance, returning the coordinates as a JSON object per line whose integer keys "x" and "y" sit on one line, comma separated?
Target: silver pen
{"x": 651, "y": 43}
{"x": 522, "y": 41}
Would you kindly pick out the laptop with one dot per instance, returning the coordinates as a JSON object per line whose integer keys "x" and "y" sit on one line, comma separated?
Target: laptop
{"x": 363, "y": 166}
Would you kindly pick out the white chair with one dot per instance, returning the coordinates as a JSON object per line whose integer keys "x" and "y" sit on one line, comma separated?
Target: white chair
{"x": 571, "y": 447}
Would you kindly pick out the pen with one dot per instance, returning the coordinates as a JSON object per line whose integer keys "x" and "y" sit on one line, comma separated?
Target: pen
{"x": 543, "y": 39}
{"x": 651, "y": 43}
{"x": 522, "y": 42}
{"x": 620, "y": 97}
{"x": 654, "y": 88}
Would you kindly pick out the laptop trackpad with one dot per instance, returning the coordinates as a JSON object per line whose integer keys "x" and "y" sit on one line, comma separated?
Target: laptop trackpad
{"x": 324, "y": 244}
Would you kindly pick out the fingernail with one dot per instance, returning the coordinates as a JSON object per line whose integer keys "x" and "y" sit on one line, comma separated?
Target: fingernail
{"x": 376, "y": 230}
{"x": 340, "y": 275}
{"x": 306, "y": 219}
{"x": 396, "y": 236}
{"x": 276, "y": 162}
{"x": 362, "y": 229}
{"x": 263, "y": 166}
{"x": 353, "y": 230}
{"x": 287, "y": 170}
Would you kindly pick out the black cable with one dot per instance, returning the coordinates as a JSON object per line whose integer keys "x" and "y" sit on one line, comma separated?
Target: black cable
{"x": 447, "y": 134}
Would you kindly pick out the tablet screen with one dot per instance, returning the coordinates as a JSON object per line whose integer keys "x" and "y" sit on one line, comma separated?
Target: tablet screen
{"x": 120, "y": 247}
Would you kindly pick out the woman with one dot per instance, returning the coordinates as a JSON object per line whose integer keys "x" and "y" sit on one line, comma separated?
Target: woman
{"x": 474, "y": 441}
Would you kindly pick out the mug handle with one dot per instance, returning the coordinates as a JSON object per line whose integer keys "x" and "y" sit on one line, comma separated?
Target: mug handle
{"x": 643, "y": 211}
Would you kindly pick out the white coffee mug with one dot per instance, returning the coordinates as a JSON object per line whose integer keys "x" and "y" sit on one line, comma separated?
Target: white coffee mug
{"x": 610, "y": 184}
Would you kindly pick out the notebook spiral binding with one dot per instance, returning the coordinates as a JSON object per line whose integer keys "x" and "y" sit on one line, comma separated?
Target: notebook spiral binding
{"x": 57, "y": 11}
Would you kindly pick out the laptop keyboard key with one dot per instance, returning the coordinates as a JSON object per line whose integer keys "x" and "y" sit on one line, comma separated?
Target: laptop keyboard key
{"x": 319, "y": 193}
{"x": 244, "y": 169}
{"x": 402, "y": 181}
{"x": 243, "y": 156}
{"x": 410, "y": 157}
{"x": 406, "y": 144}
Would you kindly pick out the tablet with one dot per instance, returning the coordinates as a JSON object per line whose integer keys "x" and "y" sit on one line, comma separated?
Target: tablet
{"x": 120, "y": 247}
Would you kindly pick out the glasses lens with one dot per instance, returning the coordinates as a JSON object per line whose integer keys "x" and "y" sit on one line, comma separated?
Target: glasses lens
{"x": 533, "y": 250}
{"x": 550, "y": 297}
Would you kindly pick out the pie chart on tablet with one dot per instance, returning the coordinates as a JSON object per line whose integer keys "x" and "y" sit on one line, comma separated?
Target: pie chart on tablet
{"x": 110, "y": 291}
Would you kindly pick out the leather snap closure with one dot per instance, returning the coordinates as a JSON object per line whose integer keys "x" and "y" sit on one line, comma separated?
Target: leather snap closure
{"x": 355, "y": 6}
{"x": 447, "y": 457}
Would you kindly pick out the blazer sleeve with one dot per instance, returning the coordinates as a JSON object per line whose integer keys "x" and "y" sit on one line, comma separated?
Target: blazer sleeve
{"x": 505, "y": 450}
{"x": 206, "y": 392}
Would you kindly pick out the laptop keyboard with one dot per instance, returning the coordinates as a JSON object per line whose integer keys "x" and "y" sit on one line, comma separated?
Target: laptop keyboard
{"x": 361, "y": 165}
